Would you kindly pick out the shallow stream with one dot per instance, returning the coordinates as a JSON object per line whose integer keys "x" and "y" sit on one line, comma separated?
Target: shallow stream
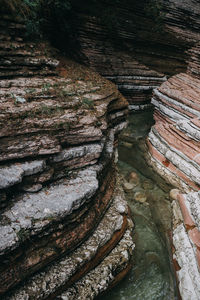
{"x": 151, "y": 277}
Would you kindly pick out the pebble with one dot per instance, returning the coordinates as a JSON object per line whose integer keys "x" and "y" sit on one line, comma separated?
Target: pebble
{"x": 140, "y": 197}
{"x": 32, "y": 188}
{"x": 174, "y": 193}
{"x": 127, "y": 145}
{"x": 128, "y": 186}
{"x": 147, "y": 185}
{"x": 133, "y": 178}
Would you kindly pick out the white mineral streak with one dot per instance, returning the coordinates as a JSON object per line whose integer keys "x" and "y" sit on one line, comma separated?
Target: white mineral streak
{"x": 170, "y": 112}
{"x": 193, "y": 204}
{"x": 13, "y": 174}
{"x": 120, "y": 127}
{"x": 176, "y": 103}
{"x": 56, "y": 275}
{"x": 143, "y": 78}
{"x": 137, "y": 87}
{"x": 171, "y": 108}
{"x": 70, "y": 194}
{"x": 181, "y": 161}
{"x": 189, "y": 128}
{"x": 80, "y": 151}
{"x": 139, "y": 107}
{"x": 167, "y": 174}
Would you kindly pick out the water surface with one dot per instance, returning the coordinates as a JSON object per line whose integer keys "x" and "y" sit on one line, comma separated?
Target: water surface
{"x": 151, "y": 277}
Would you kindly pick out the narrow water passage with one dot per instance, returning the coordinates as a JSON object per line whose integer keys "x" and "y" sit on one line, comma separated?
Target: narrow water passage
{"x": 151, "y": 277}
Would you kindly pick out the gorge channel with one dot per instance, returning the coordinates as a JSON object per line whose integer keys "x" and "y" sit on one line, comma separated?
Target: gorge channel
{"x": 65, "y": 227}
{"x": 152, "y": 275}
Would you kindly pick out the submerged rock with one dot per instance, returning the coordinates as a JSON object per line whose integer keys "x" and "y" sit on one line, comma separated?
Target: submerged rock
{"x": 147, "y": 185}
{"x": 174, "y": 194}
{"x": 133, "y": 178}
{"x": 128, "y": 186}
{"x": 140, "y": 197}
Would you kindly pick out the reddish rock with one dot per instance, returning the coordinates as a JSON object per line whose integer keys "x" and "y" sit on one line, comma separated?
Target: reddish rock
{"x": 188, "y": 221}
{"x": 174, "y": 153}
{"x": 194, "y": 234}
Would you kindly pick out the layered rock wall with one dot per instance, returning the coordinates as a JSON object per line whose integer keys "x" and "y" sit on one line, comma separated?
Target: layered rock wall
{"x": 153, "y": 39}
{"x": 61, "y": 212}
{"x": 174, "y": 152}
{"x": 135, "y": 44}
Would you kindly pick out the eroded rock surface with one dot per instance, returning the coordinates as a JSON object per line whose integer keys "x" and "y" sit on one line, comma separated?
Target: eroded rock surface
{"x": 136, "y": 43}
{"x": 60, "y": 212}
{"x": 174, "y": 145}
{"x": 69, "y": 269}
{"x": 174, "y": 140}
{"x": 186, "y": 240}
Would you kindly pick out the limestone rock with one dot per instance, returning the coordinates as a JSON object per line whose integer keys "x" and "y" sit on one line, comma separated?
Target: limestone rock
{"x": 173, "y": 141}
{"x": 174, "y": 153}
{"x": 147, "y": 185}
{"x": 64, "y": 271}
{"x": 117, "y": 262}
{"x": 61, "y": 214}
{"x": 148, "y": 41}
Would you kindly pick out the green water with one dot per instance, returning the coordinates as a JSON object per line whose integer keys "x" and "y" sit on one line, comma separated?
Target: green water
{"x": 151, "y": 277}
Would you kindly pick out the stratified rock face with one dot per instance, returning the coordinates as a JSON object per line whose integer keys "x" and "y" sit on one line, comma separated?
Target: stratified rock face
{"x": 174, "y": 152}
{"x": 186, "y": 240}
{"x": 156, "y": 34}
{"x": 194, "y": 61}
{"x": 174, "y": 140}
{"x": 65, "y": 272}
{"x": 134, "y": 80}
{"x": 124, "y": 38}
{"x": 58, "y": 132}
{"x": 182, "y": 18}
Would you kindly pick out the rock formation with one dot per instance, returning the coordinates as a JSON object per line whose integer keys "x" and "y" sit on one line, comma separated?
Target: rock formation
{"x": 63, "y": 213}
{"x": 153, "y": 39}
{"x": 137, "y": 43}
{"x": 174, "y": 145}
{"x": 64, "y": 223}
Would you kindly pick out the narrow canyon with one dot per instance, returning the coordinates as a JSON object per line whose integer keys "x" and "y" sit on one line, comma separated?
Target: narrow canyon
{"x": 100, "y": 149}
